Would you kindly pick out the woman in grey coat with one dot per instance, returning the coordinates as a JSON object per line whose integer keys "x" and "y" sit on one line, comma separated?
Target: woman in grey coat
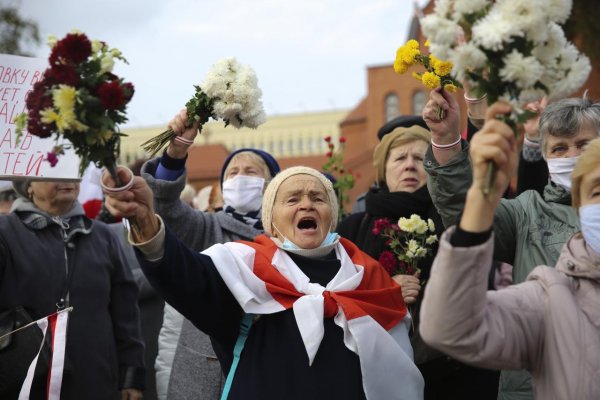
{"x": 186, "y": 366}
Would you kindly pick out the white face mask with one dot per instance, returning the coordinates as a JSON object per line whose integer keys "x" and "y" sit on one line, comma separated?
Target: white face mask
{"x": 560, "y": 170}
{"x": 243, "y": 193}
{"x": 590, "y": 225}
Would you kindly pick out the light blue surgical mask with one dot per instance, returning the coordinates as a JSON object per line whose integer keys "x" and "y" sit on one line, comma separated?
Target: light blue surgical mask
{"x": 590, "y": 225}
{"x": 287, "y": 244}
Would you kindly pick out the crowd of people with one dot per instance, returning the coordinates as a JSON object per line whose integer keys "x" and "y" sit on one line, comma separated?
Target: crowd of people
{"x": 256, "y": 292}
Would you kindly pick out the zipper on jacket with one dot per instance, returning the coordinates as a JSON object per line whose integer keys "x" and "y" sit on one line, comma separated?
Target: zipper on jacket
{"x": 64, "y": 226}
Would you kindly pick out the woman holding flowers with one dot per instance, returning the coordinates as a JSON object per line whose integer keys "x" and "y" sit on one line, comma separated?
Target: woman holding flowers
{"x": 531, "y": 229}
{"x": 549, "y": 324}
{"x": 311, "y": 316}
{"x": 399, "y": 229}
{"x": 244, "y": 174}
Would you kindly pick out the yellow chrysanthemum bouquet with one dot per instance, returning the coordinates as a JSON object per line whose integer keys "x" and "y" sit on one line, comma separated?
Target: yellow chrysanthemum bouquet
{"x": 437, "y": 72}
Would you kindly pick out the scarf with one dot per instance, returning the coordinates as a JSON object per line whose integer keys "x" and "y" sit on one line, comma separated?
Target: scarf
{"x": 363, "y": 300}
{"x": 380, "y": 202}
{"x": 251, "y": 218}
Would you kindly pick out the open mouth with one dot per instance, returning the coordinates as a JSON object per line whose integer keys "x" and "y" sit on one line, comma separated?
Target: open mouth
{"x": 307, "y": 223}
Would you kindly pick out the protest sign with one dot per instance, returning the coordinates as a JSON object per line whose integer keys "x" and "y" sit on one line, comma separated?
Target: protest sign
{"x": 26, "y": 159}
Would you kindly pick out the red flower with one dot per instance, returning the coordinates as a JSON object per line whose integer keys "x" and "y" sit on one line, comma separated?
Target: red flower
{"x": 328, "y": 139}
{"x": 387, "y": 259}
{"x": 111, "y": 95}
{"x": 328, "y": 154}
{"x": 51, "y": 158}
{"x": 73, "y": 49}
{"x": 331, "y": 146}
{"x": 129, "y": 90}
{"x": 342, "y": 139}
{"x": 61, "y": 74}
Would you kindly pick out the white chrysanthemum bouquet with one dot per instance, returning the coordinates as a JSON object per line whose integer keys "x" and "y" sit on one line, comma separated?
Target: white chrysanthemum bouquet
{"x": 229, "y": 92}
{"x": 509, "y": 50}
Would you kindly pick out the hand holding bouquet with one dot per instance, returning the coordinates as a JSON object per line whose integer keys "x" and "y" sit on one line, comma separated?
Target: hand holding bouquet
{"x": 508, "y": 50}
{"x": 79, "y": 99}
{"x": 230, "y": 92}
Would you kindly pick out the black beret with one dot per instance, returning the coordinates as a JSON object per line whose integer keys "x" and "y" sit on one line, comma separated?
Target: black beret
{"x": 405, "y": 121}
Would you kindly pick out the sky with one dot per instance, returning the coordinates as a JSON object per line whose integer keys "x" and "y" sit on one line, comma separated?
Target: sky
{"x": 309, "y": 55}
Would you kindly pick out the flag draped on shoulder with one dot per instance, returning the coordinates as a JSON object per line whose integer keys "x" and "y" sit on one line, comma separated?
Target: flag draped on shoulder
{"x": 362, "y": 298}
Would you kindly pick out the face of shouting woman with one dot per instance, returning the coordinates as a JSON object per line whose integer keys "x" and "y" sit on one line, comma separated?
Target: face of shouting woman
{"x": 302, "y": 212}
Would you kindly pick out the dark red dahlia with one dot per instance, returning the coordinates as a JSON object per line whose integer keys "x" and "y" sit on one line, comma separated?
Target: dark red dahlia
{"x": 129, "y": 90}
{"x": 387, "y": 259}
{"x": 65, "y": 74}
{"x": 74, "y": 48}
{"x": 38, "y": 99}
{"x": 342, "y": 139}
{"x": 111, "y": 95}
{"x": 36, "y": 127}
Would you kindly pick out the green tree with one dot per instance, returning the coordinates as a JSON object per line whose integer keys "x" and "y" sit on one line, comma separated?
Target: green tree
{"x": 16, "y": 33}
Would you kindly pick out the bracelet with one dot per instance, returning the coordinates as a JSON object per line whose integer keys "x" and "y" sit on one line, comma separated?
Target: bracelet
{"x": 473, "y": 100}
{"x": 531, "y": 143}
{"x": 446, "y": 146}
{"x": 183, "y": 141}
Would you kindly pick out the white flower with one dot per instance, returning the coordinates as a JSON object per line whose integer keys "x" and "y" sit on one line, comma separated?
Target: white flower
{"x": 235, "y": 91}
{"x": 406, "y": 225}
{"x": 493, "y": 30}
{"x": 106, "y": 63}
{"x": 439, "y": 30}
{"x": 52, "y": 40}
{"x": 465, "y": 7}
{"x": 523, "y": 71}
{"x": 410, "y": 254}
{"x": 466, "y": 57}
{"x": 421, "y": 252}
{"x": 442, "y": 7}
{"x": 431, "y": 225}
{"x": 531, "y": 95}
{"x": 573, "y": 79}
{"x": 441, "y": 51}
{"x": 431, "y": 239}
{"x": 559, "y": 10}
{"x": 97, "y": 46}
{"x": 413, "y": 246}
{"x": 552, "y": 47}
{"x": 527, "y": 16}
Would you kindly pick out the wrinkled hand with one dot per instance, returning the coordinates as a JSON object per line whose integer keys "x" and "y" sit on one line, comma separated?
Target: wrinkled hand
{"x": 447, "y": 130}
{"x": 136, "y": 203}
{"x": 179, "y": 125}
{"x": 495, "y": 142}
{"x": 411, "y": 286}
{"x": 131, "y": 394}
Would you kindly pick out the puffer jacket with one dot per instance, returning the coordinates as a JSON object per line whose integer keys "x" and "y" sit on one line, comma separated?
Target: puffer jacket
{"x": 186, "y": 365}
{"x": 548, "y": 325}
{"x": 529, "y": 230}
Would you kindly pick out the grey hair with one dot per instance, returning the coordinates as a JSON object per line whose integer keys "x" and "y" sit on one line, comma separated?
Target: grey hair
{"x": 566, "y": 117}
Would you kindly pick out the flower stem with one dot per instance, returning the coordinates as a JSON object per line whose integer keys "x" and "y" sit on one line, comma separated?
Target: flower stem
{"x": 157, "y": 143}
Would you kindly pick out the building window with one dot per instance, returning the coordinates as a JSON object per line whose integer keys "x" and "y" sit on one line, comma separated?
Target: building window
{"x": 392, "y": 109}
{"x": 418, "y": 102}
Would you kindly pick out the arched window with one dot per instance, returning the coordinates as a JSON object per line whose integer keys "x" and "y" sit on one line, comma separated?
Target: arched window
{"x": 392, "y": 109}
{"x": 418, "y": 102}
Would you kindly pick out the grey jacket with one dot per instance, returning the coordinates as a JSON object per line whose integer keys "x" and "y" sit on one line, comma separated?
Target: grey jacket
{"x": 195, "y": 372}
{"x": 529, "y": 230}
{"x": 549, "y": 325}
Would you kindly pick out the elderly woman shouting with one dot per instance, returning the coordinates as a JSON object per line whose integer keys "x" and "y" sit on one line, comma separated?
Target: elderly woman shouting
{"x": 320, "y": 318}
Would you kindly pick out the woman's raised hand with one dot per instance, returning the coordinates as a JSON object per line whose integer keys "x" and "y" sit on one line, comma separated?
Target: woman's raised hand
{"x": 178, "y": 149}
{"x": 447, "y": 129}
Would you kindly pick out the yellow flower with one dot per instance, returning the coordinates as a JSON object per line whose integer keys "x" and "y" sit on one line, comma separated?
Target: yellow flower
{"x": 400, "y": 67}
{"x": 407, "y": 225}
{"x": 413, "y": 246}
{"x": 431, "y": 239}
{"x": 52, "y": 40}
{"x": 97, "y": 46}
{"x": 106, "y": 63}
{"x": 431, "y": 80}
{"x": 99, "y": 137}
{"x": 408, "y": 55}
{"x": 427, "y": 43}
{"x": 442, "y": 68}
{"x": 64, "y": 98}
{"x": 49, "y": 116}
{"x": 450, "y": 87}
{"x": 417, "y": 76}
{"x": 412, "y": 44}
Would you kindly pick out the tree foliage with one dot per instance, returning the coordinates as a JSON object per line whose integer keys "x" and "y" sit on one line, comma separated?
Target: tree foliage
{"x": 16, "y": 33}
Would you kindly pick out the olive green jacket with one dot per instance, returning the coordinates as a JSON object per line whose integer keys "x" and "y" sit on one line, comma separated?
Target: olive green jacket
{"x": 529, "y": 230}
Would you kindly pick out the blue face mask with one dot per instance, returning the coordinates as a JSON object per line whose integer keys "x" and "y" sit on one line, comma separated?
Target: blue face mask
{"x": 289, "y": 245}
{"x": 590, "y": 225}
